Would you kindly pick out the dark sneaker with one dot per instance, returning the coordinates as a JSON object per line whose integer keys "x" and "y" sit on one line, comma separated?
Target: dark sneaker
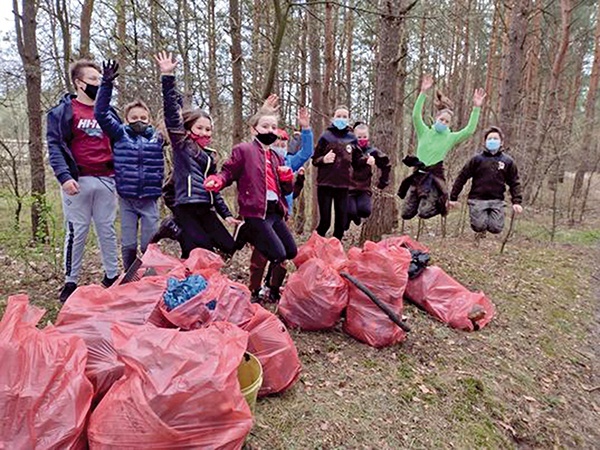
{"x": 274, "y": 295}
{"x": 108, "y": 282}
{"x": 168, "y": 229}
{"x": 67, "y": 290}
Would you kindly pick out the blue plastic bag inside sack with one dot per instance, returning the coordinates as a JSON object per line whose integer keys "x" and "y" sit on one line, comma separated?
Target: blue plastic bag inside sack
{"x": 180, "y": 291}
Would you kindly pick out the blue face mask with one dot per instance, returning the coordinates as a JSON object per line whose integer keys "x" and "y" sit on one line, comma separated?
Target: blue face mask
{"x": 340, "y": 124}
{"x": 440, "y": 127}
{"x": 492, "y": 145}
{"x": 281, "y": 151}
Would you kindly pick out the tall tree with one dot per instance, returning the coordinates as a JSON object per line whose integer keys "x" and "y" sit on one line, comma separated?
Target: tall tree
{"x": 590, "y": 115}
{"x": 281, "y": 20}
{"x": 25, "y": 26}
{"x": 236, "y": 69}
{"x": 86, "y": 23}
{"x": 388, "y": 71}
{"x": 512, "y": 67}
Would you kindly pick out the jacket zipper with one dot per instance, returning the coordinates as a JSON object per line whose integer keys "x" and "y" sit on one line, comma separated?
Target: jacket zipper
{"x": 205, "y": 175}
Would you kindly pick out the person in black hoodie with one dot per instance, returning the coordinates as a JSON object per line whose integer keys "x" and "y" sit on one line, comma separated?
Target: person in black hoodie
{"x": 336, "y": 155}
{"x": 491, "y": 170}
{"x": 195, "y": 208}
{"x": 359, "y": 199}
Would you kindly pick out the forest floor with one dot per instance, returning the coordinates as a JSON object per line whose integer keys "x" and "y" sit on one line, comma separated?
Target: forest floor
{"x": 531, "y": 379}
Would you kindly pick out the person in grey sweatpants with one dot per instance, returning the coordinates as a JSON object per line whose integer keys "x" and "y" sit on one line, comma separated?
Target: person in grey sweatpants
{"x": 81, "y": 156}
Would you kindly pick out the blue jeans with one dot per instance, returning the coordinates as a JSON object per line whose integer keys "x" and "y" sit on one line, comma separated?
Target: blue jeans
{"x": 133, "y": 212}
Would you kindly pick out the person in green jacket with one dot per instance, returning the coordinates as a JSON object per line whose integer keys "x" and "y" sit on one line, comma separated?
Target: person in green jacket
{"x": 425, "y": 190}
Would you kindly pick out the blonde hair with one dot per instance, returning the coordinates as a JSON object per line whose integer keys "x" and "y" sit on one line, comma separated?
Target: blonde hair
{"x": 262, "y": 112}
{"x": 136, "y": 104}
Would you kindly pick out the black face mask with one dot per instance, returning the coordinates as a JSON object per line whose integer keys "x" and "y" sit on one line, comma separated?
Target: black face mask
{"x": 266, "y": 138}
{"x": 91, "y": 91}
{"x": 139, "y": 127}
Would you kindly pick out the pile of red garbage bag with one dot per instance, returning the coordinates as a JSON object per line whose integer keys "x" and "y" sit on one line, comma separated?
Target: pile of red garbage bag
{"x": 148, "y": 375}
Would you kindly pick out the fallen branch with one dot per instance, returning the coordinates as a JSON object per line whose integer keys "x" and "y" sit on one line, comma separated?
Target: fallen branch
{"x": 385, "y": 308}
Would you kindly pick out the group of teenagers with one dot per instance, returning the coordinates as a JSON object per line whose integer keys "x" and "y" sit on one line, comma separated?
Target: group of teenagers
{"x": 104, "y": 163}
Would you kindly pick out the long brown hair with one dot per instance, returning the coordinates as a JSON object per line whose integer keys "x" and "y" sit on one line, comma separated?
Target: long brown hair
{"x": 190, "y": 116}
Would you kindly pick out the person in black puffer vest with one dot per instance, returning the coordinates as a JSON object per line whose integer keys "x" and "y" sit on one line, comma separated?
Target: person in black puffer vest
{"x": 195, "y": 208}
{"x": 491, "y": 170}
{"x": 139, "y": 166}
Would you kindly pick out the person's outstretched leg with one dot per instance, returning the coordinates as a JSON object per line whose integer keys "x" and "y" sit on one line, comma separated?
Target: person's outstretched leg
{"x": 410, "y": 208}
{"x": 324, "y": 198}
{"x": 340, "y": 204}
{"x": 478, "y": 215}
{"x": 129, "y": 231}
{"x": 495, "y": 223}
{"x": 352, "y": 209}
{"x": 150, "y": 220}
{"x": 364, "y": 205}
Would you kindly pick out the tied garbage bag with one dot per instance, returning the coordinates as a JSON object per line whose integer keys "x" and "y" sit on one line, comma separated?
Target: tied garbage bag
{"x": 384, "y": 271}
{"x": 203, "y": 261}
{"x": 419, "y": 262}
{"x": 329, "y": 250}
{"x": 449, "y": 301}
{"x": 161, "y": 263}
{"x": 271, "y": 343}
{"x": 180, "y": 291}
{"x": 180, "y": 391}
{"x": 314, "y": 296}
{"x": 44, "y": 393}
{"x": 233, "y": 304}
{"x": 195, "y": 311}
{"x": 200, "y": 261}
{"x": 89, "y": 314}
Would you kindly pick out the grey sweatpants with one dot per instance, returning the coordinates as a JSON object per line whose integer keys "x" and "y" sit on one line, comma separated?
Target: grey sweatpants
{"x": 487, "y": 215}
{"x": 134, "y": 212}
{"x": 96, "y": 201}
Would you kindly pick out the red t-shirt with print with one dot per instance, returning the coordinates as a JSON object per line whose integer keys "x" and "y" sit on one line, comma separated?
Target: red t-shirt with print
{"x": 90, "y": 146}
{"x": 271, "y": 180}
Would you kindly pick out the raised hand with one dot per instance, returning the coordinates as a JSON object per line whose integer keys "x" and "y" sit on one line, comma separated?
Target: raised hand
{"x": 166, "y": 63}
{"x": 272, "y": 102}
{"x": 329, "y": 158}
{"x": 110, "y": 70}
{"x": 426, "y": 83}
{"x": 479, "y": 97}
{"x": 304, "y": 118}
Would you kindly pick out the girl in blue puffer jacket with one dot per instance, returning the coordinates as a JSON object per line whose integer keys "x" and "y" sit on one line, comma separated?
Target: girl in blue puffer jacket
{"x": 139, "y": 165}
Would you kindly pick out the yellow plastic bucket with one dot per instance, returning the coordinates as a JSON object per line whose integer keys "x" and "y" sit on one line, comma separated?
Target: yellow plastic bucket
{"x": 250, "y": 376}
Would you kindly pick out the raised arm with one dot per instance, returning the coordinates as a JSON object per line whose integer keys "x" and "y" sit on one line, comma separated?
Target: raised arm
{"x": 298, "y": 159}
{"x": 417, "y": 114}
{"x": 102, "y": 110}
{"x": 171, "y": 107}
{"x": 467, "y": 132}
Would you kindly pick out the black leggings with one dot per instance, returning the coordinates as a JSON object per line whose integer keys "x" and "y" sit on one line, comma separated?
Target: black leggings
{"x": 200, "y": 227}
{"x": 271, "y": 236}
{"x": 339, "y": 197}
{"x": 359, "y": 206}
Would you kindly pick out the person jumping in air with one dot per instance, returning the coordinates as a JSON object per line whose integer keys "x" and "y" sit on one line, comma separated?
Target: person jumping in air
{"x": 195, "y": 207}
{"x": 491, "y": 171}
{"x": 263, "y": 181}
{"x": 359, "y": 198}
{"x": 336, "y": 155}
{"x": 425, "y": 190}
{"x": 258, "y": 262}
{"x": 139, "y": 165}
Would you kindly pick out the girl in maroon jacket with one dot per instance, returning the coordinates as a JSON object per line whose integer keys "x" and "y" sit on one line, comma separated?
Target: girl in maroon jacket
{"x": 263, "y": 181}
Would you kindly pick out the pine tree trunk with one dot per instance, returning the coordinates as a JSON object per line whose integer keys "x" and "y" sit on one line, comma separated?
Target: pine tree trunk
{"x": 384, "y": 130}
{"x": 213, "y": 88}
{"x": 329, "y": 59}
{"x": 236, "y": 63}
{"x": 84, "y": 33}
{"x": 512, "y": 68}
{"x": 25, "y": 26}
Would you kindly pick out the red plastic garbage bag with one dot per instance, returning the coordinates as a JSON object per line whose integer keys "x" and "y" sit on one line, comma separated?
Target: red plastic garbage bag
{"x": 314, "y": 296}
{"x": 161, "y": 263}
{"x": 402, "y": 241}
{"x": 449, "y": 301}
{"x": 44, "y": 393}
{"x": 203, "y": 261}
{"x": 89, "y": 314}
{"x": 233, "y": 304}
{"x": 385, "y": 273}
{"x": 271, "y": 343}
{"x": 329, "y": 250}
{"x": 180, "y": 390}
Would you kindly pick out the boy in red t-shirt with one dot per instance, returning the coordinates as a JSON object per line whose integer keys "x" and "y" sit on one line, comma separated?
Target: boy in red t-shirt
{"x": 81, "y": 156}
